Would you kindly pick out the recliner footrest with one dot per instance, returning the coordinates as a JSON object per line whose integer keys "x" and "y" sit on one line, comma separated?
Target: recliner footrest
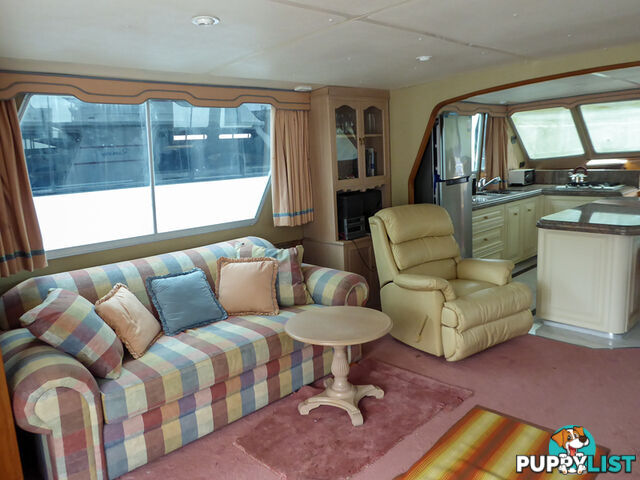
{"x": 485, "y": 306}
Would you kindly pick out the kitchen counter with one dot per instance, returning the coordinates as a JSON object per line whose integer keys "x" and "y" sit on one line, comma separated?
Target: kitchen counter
{"x": 518, "y": 193}
{"x": 614, "y": 216}
{"x": 589, "y": 265}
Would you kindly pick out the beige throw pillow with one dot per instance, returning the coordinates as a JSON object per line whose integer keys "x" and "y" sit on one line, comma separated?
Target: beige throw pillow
{"x": 134, "y": 325}
{"x": 247, "y": 286}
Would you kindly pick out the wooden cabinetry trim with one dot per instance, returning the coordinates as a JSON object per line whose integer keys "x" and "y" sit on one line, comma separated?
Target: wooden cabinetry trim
{"x": 10, "y": 466}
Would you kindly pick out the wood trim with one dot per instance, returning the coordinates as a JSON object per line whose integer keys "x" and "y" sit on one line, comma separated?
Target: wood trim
{"x": 111, "y": 90}
{"x": 10, "y": 466}
{"x": 440, "y": 105}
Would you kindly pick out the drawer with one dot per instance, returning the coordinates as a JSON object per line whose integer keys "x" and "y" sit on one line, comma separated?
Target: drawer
{"x": 490, "y": 251}
{"x": 488, "y": 237}
{"x": 485, "y": 220}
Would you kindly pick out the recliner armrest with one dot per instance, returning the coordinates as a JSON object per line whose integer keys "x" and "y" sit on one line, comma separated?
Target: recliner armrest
{"x": 425, "y": 283}
{"x": 489, "y": 270}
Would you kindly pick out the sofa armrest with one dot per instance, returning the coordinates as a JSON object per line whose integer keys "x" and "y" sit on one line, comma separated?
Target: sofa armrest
{"x": 425, "y": 283}
{"x": 489, "y": 270}
{"x": 328, "y": 286}
{"x": 55, "y": 395}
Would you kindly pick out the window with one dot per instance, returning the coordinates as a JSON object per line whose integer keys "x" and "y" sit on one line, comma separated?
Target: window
{"x": 478, "y": 122}
{"x": 104, "y": 172}
{"x": 614, "y": 126}
{"x": 548, "y": 133}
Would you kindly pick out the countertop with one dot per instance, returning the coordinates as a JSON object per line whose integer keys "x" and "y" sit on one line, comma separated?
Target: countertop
{"x": 613, "y": 216}
{"x": 519, "y": 193}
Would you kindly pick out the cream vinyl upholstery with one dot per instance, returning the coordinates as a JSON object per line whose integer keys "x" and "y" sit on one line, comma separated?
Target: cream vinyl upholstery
{"x": 440, "y": 303}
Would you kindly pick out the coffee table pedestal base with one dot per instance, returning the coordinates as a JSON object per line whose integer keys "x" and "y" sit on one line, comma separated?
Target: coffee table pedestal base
{"x": 339, "y": 392}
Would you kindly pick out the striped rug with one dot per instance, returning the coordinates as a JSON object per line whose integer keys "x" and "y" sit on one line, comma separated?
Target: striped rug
{"x": 483, "y": 446}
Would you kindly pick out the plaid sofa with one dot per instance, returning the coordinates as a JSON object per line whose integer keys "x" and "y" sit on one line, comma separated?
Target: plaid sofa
{"x": 184, "y": 387}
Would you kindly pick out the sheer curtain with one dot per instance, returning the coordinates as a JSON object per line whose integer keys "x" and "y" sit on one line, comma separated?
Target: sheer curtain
{"x": 496, "y": 150}
{"x": 290, "y": 175}
{"x": 21, "y": 245}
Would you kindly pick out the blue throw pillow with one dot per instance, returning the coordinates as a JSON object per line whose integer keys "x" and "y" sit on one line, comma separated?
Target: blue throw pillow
{"x": 184, "y": 300}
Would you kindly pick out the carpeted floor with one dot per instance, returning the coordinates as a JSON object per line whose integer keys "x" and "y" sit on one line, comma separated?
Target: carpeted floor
{"x": 410, "y": 400}
{"x": 541, "y": 381}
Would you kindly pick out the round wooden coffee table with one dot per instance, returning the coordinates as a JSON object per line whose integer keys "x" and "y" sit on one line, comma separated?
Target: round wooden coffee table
{"x": 339, "y": 327}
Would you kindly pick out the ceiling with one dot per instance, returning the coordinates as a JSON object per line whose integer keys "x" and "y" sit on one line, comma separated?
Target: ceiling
{"x": 371, "y": 43}
{"x": 600, "y": 82}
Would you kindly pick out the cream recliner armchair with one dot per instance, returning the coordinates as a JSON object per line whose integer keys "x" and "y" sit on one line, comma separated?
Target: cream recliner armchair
{"x": 440, "y": 303}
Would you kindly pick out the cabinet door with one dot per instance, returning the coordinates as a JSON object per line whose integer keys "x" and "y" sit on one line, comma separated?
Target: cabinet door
{"x": 374, "y": 140}
{"x": 528, "y": 211}
{"x": 346, "y": 142}
{"x": 513, "y": 242}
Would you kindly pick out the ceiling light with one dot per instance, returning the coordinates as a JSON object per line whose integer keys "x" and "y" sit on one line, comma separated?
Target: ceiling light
{"x": 599, "y": 74}
{"x": 303, "y": 88}
{"x": 423, "y": 58}
{"x": 205, "y": 20}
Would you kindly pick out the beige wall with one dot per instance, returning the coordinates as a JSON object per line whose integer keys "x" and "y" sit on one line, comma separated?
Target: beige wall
{"x": 263, "y": 228}
{"x": 410, "y": 108}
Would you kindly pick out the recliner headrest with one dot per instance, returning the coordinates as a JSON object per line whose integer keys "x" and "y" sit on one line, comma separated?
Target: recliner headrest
{"x": 408, "y": 222}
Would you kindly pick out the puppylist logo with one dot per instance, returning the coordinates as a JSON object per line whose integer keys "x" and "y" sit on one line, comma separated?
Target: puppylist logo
{"x": 572, "y": 451}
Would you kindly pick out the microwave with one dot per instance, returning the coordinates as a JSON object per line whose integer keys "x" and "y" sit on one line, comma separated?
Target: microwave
{"x": 522, "y": 176}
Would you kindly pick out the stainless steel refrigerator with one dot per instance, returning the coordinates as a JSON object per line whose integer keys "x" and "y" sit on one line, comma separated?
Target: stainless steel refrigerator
{"x": 444, "y": 176}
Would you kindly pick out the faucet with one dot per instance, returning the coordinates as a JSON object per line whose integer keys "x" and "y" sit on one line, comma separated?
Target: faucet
{"x": 482, "y": 183}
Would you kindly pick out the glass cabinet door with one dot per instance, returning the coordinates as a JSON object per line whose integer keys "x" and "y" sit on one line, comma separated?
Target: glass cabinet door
{"x": 373, "y": 142}
{"x": 346, "y": 142}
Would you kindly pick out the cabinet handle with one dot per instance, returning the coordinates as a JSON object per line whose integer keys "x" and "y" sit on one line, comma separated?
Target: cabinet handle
{"x": 486, "y": 217}
{"x": 529, "y": 210}
{"x": 485, "y": 239}
{"x": 515, "y": 214}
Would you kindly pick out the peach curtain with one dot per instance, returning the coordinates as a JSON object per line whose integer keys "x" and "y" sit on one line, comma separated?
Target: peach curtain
{"x": 290, "y": 175}
{"x": 496, "y": 150}
{"x": 21, "y": 245}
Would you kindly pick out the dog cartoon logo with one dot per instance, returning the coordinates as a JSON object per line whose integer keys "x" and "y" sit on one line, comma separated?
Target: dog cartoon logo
{"x": 572, "y": 444}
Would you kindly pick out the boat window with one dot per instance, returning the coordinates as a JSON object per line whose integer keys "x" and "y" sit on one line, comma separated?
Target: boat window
{"x": 613, "y": 126}
{"x": 548, "y": 133}
{"x": 101, "y": 173}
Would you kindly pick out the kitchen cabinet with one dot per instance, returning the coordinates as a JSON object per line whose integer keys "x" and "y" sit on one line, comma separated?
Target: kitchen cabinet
{"x": 506, "y": 231}
{"x": 520, "y": 218}
{"x": 349, "y": 151}
{"x": 488, "y": 232}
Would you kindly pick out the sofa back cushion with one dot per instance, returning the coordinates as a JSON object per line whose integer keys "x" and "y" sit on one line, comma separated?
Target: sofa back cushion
{"x": 95, "y": 282}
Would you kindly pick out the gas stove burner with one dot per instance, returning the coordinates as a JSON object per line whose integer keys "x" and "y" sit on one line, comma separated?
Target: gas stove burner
{"x": 593, "y": 185}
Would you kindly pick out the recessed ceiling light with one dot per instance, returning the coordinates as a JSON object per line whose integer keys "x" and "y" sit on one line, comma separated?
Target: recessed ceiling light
{"x": 303, "y": 88}
{"x": 205, "y": 20}
{"x": 423, "y": 58}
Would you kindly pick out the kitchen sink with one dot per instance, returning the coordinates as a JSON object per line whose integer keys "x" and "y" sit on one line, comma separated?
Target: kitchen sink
{"x": 494, "y": 194}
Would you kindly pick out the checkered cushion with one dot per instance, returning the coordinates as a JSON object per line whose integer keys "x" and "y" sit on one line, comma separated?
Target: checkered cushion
{"x": 69, "y": 322}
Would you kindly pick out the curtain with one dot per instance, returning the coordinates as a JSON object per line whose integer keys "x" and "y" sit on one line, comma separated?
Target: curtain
{"x": 290, "y": 176}
{"x": 21, "y": 245}
{"x": 496, "y": 150}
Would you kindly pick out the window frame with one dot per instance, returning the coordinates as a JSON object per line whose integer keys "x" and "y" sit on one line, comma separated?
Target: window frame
{"x": 157, "y": 236}
{"x": 583, "y": 133}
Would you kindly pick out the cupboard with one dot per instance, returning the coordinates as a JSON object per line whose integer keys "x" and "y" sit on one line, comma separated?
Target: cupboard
{"x": 349, "y": 145}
